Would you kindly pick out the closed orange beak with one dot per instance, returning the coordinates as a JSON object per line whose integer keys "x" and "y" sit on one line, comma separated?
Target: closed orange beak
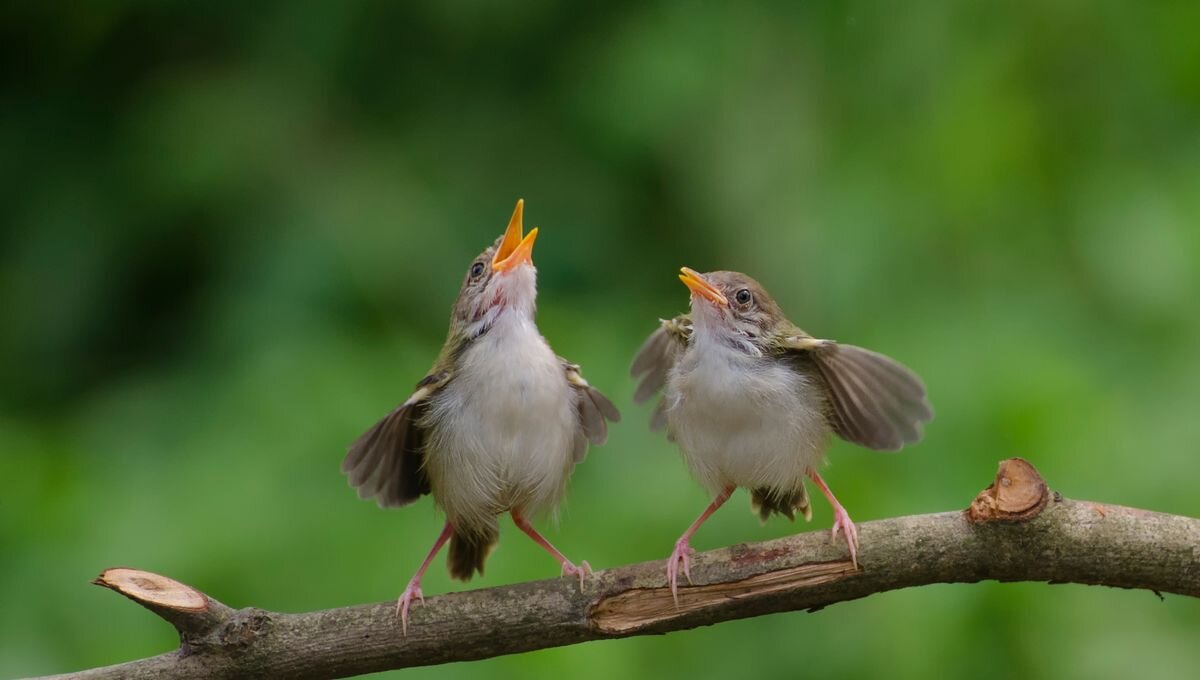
{"x": 515, "y": 249}
{"x": 696, "y": 282}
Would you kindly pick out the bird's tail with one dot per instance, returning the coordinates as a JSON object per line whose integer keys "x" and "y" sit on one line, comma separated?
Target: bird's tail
{"x": 469, "y": 549}
{"x": 767, "y": 501}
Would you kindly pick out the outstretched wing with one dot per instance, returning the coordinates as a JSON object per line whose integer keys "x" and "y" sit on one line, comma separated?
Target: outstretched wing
{"x": 654, "y": 361}
{"x": 594, "y": 409}
{"x": 874, "y": 401}
{"x": 387, "y": 461}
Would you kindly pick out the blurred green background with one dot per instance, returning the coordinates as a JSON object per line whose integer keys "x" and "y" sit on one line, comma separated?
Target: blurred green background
{"x": 233, "y": 232}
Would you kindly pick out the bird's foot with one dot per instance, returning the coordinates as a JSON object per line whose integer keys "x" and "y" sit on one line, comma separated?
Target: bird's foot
{"x": 842, "y": 523}
{"x": 582, "y": 571}
{"x": 680, "y": 557}
{"x": 412, "y": 591}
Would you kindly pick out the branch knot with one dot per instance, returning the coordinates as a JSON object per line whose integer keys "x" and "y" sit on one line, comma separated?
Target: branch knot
{"x": 1018, "y": 494}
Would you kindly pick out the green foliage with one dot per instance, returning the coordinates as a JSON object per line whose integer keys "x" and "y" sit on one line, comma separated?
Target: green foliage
{"x": 233, "y": 233}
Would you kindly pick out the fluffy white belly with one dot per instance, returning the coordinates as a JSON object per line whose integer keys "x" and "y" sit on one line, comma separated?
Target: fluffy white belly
{"x": 501, "y": 431}
{"x": 744, "y": 421}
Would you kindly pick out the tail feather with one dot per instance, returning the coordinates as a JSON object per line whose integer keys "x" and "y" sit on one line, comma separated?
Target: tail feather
{"x": 767, "y": 501}
{"x": 470, "y": 549}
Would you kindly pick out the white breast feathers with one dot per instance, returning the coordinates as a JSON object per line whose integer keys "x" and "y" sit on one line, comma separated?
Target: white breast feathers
{"x": 502, "y": 430}
{"x": 744, "y": 420}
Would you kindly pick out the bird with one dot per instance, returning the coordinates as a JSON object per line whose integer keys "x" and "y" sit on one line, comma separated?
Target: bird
{"x": 496, "y": 426}
{"x": 752, "y": 402}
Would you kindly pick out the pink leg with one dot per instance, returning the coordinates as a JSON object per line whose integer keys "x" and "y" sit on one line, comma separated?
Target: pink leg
{"x": 682, "y": 554}
{"x": 568, "y": 569}
{"x": 841, "y": 520}
{"x": 414, "y": 586}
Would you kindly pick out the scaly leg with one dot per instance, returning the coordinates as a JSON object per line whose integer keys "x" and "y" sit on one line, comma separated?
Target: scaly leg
{"x": 841, "y": 520}
{"x": 568, "y": 569}
{"x": 414, "y": 586}
{"x": 682, "y": 554}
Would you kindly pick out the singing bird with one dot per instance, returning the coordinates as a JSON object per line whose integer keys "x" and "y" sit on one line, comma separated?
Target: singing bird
{"x": 496, "y": 426}
{"x": 751, "y": 401}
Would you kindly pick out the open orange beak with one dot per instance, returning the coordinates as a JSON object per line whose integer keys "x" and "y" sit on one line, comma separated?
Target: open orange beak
{"x": 696, "y": 282}
{"x": 514, "y": 249}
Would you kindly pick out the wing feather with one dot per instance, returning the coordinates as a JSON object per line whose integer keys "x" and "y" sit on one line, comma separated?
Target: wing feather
{"x": 874, "y": 400}
{"x": 387, "y": 461}
{"x": 594, "y": 409}
{"x": 654, "y": 361}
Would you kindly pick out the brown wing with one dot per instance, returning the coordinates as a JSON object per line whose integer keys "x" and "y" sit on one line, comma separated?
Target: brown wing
{"x": 387, "y": 461}
{"x": 874, "y": 400}
{"x": 654, "y": 361}
{"x": 594, "y": 409}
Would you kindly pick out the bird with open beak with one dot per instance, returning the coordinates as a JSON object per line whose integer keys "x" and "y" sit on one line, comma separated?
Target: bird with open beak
{"x": 751, "y": 400}
{"x": 496, "y": 426}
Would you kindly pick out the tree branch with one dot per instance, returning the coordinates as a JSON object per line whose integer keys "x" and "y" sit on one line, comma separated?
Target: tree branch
{"x": 1015, "y": 530}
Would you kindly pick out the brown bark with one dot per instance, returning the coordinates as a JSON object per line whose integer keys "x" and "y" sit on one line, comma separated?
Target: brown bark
{"x": 1015, "y": 530}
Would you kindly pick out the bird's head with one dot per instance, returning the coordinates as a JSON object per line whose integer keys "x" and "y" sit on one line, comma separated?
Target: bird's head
{"x": 733, "y": 308}
{"x": 501, "y": 280}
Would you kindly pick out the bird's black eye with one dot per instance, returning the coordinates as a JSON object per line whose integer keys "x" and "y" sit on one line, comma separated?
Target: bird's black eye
{"x": 476, "y": 270}
{"x": 743, "y": 296}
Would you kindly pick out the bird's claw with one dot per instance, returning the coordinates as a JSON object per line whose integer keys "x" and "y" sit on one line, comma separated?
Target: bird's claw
{"x": 406, "y": 598}
{"x": 582, "y": 571}
{"x": 681, "y": 556}
{"x": 843, "y": 523}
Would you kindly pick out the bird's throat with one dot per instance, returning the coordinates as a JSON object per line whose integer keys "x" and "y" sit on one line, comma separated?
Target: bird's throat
{"x": 713, "y": 332}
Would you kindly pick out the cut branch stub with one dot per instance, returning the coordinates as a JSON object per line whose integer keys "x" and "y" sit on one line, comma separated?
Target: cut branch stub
{"x": 152, "y": 589}
{"x": 1018, "y": 494}
{"x": 191, "y": 612}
